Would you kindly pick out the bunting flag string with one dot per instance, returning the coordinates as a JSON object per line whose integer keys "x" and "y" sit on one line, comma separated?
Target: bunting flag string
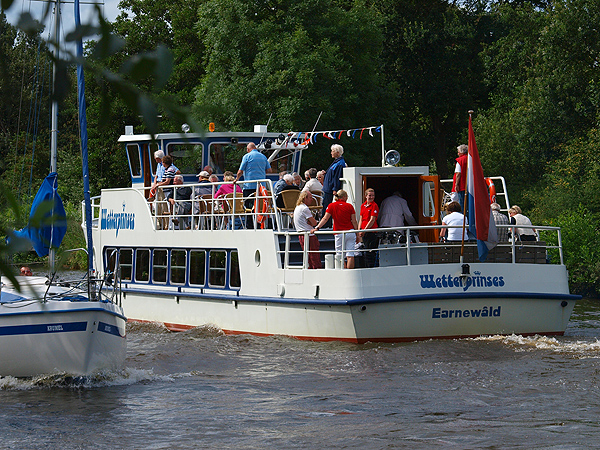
{"x": 310, "y": 137}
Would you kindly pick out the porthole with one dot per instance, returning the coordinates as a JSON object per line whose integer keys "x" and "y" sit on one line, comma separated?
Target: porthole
{"x": 257, "y": 258}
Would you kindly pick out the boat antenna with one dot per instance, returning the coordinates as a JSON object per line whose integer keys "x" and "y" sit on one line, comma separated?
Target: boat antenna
{"x": 266, "y": 128}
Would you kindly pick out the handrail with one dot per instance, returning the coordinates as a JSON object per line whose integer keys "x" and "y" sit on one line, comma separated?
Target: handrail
{"x": 514, "y": 243}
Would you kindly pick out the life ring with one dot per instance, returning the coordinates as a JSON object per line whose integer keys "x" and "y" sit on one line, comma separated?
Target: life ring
{"x": 492, "y": 189}
{"x": 260, "y": 204}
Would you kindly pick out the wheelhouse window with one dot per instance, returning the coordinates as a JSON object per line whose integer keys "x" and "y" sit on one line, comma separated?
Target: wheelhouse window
{"x": 135, "y": 165}
{"x": 178, "y": 260}
{"x": 225, "y": 155}
{"x": 217, "y": 269}
{"x": 197, "y": 267}
{"x": 142, "y": 265}
{"x": 159, "y": 266}
{"x": 187, "y": 157}
{"x": 235, "y": 280}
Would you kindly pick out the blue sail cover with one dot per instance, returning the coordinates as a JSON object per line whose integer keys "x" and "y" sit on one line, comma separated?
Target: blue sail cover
{"x": 53, "y": 226}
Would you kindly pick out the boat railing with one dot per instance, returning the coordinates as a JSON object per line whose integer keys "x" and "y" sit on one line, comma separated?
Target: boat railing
{"x": 395, "y": 249}
{"x": 500, "y": 187}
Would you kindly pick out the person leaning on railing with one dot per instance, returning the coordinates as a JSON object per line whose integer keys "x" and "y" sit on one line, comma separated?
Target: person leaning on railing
{"x": 517, "y": 218}
{"x": 344, "y": 218}
{"x": 305, "y": 221}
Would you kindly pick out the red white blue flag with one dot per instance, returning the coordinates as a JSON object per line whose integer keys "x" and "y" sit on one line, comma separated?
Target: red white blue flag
{"x": 481, "y": 220}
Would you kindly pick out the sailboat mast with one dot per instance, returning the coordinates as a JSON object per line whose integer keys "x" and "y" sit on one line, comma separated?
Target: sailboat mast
{"x": 54, "y": 112}
{"x": 54, "y": 117}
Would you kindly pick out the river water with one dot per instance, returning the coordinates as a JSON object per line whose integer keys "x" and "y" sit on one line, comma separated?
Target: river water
{"x": 201, "y": 389}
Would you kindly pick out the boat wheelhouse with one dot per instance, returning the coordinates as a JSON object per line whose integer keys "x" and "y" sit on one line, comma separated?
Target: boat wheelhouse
{"x": 238, "y": 264}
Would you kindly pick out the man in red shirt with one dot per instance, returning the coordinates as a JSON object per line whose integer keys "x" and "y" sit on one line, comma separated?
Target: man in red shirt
{"x": 344, "y": 218}
{"x": 460, "y": 174}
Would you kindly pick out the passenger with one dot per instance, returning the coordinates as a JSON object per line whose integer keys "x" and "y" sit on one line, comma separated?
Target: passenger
{"x": 332, "y": 182}
{"x": 213, "y": 178}
{"x": 298, "y": 180}
{"x": 321, "y": 177}
{"x": 208, "y": 169}
{"x": 305, "y": 221}
{"x": 278, "y": 186}
{"x": 26, "y": 271}
{"x": 203, "y": 190}
{"x": 181, "y": 203}
{"x": 312, "y": 183}
{"x": 164, "y": 193}
{"x": 289, "y": 185}
{"x": 227, "y": 186}
{"x": 500, "y": 219}
{"x": 460, "y": 175}
{"x": 160, "y": 171}
{"x": 394, "y": 212}
{"x": 254, "y": 166}
{"x": 368, "y": 219}
{"x": 454, "y": 218}
{"x": 517, "y": 218}
{"x": 344, "y": 218}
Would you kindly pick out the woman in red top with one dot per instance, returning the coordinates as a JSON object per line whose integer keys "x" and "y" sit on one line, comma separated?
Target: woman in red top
{"x": 368, "y": 219}
{"x": 344, "y": 218}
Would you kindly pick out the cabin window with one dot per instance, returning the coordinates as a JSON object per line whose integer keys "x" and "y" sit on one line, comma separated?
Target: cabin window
{"x": 187, "y": 157}
{"x": 197, "y": 267}
{"x": 159, "y": 266}
{"x": 178, "y": 260}
{"x": 428, "y": 196}
{"x": 135, "y": 165}
{"x": 142, "y": 265}
{"x": 226, "y": 155}
{"x": 126, "y": 263}
{"x": 216, "y": 270}
{"x": 235, "y": 280}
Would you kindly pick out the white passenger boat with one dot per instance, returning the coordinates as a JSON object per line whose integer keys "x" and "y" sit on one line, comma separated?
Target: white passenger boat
{"x": 256, "y": 280}
{"x": 50, "y": 326}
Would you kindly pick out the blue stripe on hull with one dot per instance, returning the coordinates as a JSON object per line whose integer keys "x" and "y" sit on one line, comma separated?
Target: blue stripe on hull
{"x": 356, "y": 301}
{"x": 109, "y": 329}
{"x": 46, "y": 328}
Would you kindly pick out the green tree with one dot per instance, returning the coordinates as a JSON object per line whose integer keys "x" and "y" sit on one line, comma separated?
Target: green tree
{"x": 431, "y": 63}
{"x": 291, "y": 60}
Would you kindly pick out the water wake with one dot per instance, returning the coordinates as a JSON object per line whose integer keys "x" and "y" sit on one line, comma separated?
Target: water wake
{"x": 578, "y": 348}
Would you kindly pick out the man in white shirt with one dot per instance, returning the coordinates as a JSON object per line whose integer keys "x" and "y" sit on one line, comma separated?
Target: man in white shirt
{"x": 394, "y": 212}
{"x": 305, "y": 221}
{"x": 312, "y": 184}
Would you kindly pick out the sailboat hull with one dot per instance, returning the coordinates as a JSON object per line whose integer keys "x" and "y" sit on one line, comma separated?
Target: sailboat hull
{"x": 67, "y": 335}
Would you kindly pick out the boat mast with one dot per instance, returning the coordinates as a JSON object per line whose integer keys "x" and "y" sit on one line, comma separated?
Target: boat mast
{"x": 54, "y": 114}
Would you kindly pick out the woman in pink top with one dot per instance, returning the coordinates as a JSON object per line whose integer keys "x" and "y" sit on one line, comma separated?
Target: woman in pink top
{"x": 227, "y": 187}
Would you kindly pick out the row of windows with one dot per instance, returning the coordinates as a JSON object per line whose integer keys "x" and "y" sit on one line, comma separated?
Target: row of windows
{"x": 199, "y": 267}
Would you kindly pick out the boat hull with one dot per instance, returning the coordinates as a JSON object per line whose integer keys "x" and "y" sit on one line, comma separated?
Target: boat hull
{"x": 75, "y": 337}
{"x": 362, "y": 320}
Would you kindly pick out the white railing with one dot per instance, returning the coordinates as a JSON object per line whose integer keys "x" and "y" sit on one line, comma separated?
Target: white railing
{"x": 393, "y": 241}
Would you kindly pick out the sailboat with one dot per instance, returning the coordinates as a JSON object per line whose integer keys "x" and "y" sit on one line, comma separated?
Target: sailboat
{"x": 46, "y": 326}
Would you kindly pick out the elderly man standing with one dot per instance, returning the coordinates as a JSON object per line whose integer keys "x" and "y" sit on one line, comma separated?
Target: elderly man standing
{"x": 305, "y": 221}
{"x": 332, "y": 182}
{"x": 254, "y": 166}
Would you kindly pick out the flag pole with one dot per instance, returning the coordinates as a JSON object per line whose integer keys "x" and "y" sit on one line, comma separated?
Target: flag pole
{"x": 462, "y": 238}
